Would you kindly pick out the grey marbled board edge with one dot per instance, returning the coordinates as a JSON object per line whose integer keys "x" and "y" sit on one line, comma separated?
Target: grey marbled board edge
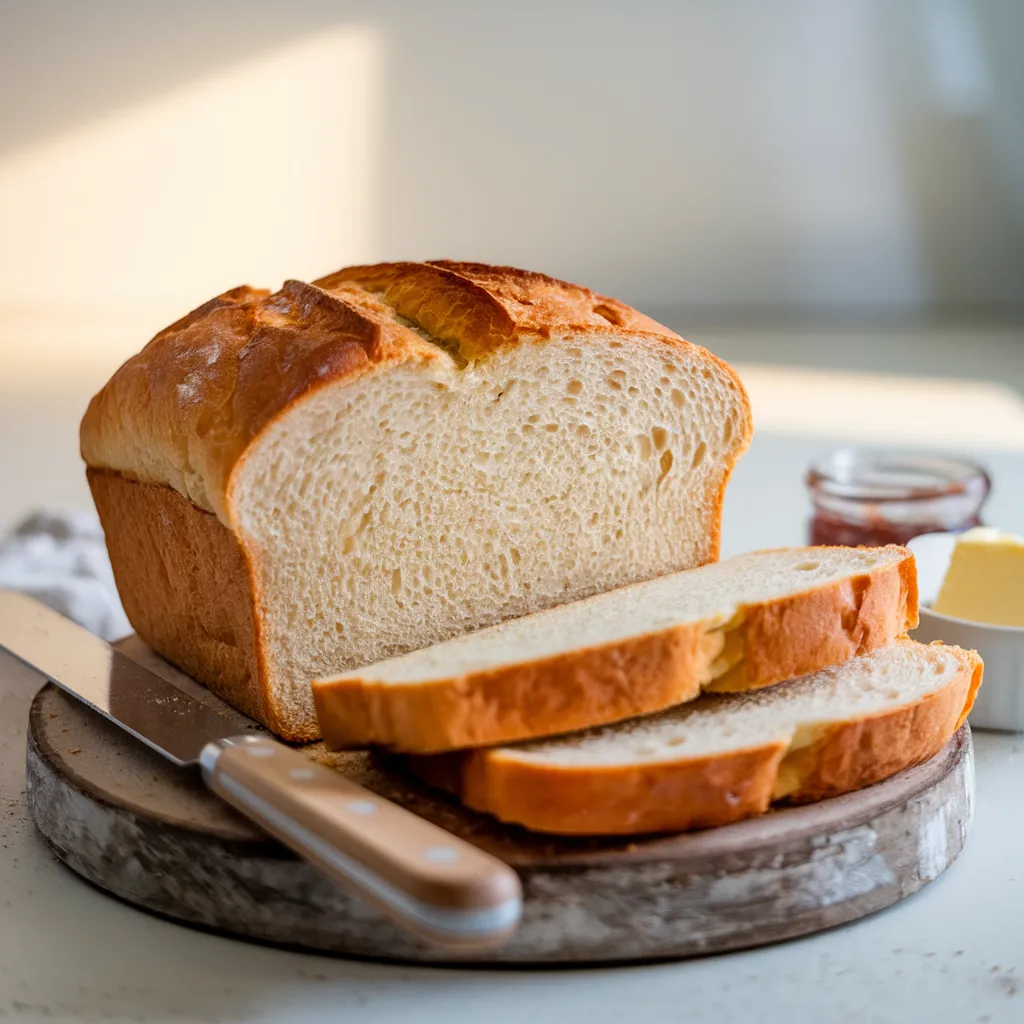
{"x": 127, "y": 821}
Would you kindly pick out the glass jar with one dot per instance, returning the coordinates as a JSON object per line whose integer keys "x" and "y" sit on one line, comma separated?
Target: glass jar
{"x": 873, "y": 497}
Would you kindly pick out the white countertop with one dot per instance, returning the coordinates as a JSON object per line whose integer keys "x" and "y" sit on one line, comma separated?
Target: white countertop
{"x": 953, "y": 952}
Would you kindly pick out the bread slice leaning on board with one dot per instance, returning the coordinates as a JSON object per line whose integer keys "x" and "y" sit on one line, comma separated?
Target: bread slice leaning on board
{"x": 298, "y": 483}
{"x": 724, "y": 758}
{"x": 747, "y": 622}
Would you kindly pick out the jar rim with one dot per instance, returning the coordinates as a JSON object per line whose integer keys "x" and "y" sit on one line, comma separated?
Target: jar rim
{"x": 882, "y": 475}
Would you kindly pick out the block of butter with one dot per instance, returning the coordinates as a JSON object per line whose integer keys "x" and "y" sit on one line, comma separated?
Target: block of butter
{"x": 985, "y": 579}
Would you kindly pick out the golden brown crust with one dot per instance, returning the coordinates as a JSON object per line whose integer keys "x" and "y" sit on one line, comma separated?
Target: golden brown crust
{"x": 780, "y": 640}
{"x": 860, "y": 753}
{"x": 559, "y": 694}
{"x": 627, "y": 800}
{"x": 185, "y": 409}
{"x": 675, "y": 796}
{"x": 188, "y": 591}
{"x": 482, "y": 307}
{"x": 824, "y": 626}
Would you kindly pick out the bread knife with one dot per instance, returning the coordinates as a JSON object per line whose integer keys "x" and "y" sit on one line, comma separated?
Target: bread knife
{"x": 444, "y": 890}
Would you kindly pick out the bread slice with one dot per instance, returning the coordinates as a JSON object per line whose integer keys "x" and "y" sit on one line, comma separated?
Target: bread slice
{"x": 296, "y": 484}
{"x": 744, "y": 623}
{"x": 724, "y": 758}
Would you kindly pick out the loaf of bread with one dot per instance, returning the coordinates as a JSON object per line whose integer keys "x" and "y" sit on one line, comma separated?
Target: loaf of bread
{"x": 299, "y": 483}
{"x": 724, "y": 758}
{"x": 745, "y": 623}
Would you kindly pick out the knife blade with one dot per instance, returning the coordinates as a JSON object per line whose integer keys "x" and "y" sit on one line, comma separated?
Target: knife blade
{"x": 142, "y": 703}
{"x": 441, "y": 888}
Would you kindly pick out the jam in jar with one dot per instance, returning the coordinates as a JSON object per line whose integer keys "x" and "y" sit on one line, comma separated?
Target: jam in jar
{"x": 875, "y": 497}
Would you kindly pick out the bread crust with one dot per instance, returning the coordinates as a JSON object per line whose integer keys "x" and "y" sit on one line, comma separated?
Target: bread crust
{"x": 779, "y": 640}
{"x": 823, "y": 626}
{"x": 860, "y": 753}
{"x": 571, "y": 691}
{"x": 627, "y": 800}
{"x": 705, "y": 792}
{"x": 188, "y": 590}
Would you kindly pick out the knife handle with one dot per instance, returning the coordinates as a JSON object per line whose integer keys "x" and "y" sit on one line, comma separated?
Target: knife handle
{"x": 425, "y": 879}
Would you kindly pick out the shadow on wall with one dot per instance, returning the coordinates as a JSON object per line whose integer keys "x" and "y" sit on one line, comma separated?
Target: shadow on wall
{"x": 797, "y": 155}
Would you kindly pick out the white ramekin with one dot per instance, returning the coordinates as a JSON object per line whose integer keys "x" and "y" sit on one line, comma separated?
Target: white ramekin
{"x": 1000, "y": 703}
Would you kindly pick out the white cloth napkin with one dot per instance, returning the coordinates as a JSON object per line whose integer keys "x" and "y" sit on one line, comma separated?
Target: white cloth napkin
{"x": 59, "y": 557}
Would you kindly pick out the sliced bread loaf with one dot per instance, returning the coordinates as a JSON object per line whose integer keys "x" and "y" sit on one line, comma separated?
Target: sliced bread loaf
{"x": 744, "y": 623}
{"x": 724, "y": 758}
{"x": 298, "y": 483}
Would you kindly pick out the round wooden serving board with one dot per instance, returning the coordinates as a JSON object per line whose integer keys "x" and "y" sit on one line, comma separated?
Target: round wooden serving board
{"x": 131, "y": 823}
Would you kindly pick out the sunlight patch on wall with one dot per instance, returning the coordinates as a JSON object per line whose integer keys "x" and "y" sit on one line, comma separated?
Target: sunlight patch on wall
{"x": 884, "y": 408}
{"x": 264, "y": 171}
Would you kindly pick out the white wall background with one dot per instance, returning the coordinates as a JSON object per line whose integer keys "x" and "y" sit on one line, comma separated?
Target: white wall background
{"x": 787, "y": 155}
{"x": 703, "y": 159}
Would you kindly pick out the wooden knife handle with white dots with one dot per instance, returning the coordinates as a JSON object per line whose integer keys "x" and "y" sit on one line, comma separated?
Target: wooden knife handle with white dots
{"x": 425, "y": 879}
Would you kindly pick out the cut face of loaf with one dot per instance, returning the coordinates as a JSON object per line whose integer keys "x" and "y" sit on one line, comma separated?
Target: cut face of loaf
{"x": 293, "y": 485}
{"x": 741, "y": 624}
{"x": 724, "y": 758}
